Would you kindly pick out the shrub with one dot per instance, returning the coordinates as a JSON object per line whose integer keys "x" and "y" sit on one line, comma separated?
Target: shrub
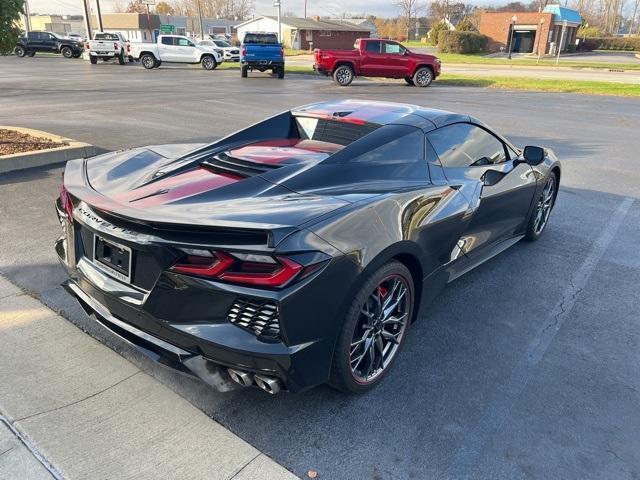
{"x": 435, "y": 31}
{"x": 461, "y": 42}
{"x": 611, "y": 43}
{"x": 466, "y": 25}
{"x": 10, "y": 11}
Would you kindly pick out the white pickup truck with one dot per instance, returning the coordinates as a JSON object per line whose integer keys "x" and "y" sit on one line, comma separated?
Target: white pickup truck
{"x": 107, "y": 46}
{"x": 176, "y": 49}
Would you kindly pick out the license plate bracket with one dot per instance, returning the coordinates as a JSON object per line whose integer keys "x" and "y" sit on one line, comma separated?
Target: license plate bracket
{"x": 113, "y": 258}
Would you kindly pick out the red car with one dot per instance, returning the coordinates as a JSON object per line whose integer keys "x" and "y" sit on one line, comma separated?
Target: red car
{"x": 372, "y": 57}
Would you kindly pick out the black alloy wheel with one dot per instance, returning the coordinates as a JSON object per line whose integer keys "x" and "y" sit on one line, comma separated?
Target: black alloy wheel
{"x": 543, "y": 208}
{"x": 374, "y": 329}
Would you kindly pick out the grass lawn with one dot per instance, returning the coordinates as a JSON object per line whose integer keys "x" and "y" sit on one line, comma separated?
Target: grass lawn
{"x": 594, "y": 88}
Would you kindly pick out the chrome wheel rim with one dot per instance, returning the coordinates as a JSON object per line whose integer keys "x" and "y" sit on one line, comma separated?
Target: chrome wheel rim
{"x": 344, "y": 75}
{"x": 208, "y": 63}
{"x": 67, "y": 53}
{"x": 544, "y": 206}
{"x": 20, "y": 52}
{"x": 380, "y": 328}
{"x": 423, "y": 77}
{"x": 148, "y": 62}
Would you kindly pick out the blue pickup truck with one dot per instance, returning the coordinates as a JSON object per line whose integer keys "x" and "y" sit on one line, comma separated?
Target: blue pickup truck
{"x": 261, "y": 51}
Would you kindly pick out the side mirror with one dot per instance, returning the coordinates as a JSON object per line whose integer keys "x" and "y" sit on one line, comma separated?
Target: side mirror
{"x": 533, "y": 155}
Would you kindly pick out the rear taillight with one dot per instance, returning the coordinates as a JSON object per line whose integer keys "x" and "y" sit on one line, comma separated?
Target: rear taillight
{"x": 65, "y": 200}
{"x": 281, "y": 52}
{"x": 244, "y": 51}
{"x": 128, "y": 48}
{"x": 116, "y": 46}
{"x": 244, "y": 268}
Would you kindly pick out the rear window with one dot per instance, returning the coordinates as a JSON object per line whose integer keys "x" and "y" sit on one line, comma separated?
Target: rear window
{"x": 261, "y": 38}
{"x": 106, "y": 36}
{"x": 332, "y": 131}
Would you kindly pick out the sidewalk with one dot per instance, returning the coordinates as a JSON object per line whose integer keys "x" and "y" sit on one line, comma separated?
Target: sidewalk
{"x": 89, "y": 413}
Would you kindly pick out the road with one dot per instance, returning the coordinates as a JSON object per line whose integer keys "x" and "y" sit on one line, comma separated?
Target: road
{"x": 527, "y": 367}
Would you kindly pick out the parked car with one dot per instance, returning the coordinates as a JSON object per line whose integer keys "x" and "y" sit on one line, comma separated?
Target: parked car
{"x": 107, "y": 46}
{"x": 372, "y": 57}
{"x": 176, "y": 49}
{"x": 48, "y": 42}
{"x": 261, "y": 51}
{"x": 231, "y": 53}
{"x": 75, "y": 36}
{"x": 299, "y": 250}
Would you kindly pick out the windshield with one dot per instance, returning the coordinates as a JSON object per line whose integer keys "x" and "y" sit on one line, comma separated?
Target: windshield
{"x": 261, "y": 38}
{"x": 222, "y": 44}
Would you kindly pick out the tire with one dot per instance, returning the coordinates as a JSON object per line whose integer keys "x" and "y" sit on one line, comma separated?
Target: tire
{"x": 77, "y": 55}
{"x": 544, "y": 205}
{"x": 19, "y": 51}
{"x": 31, "y": 54}
{"x": 158, "y": 63}
{"x": 148, "y": 61}
{"x": 131, "y": 59}
{"x": 280, "y": 72}
{"x": 93, "y": 60}
{"x": 66, "y": 52}
{"x": 343, "y": 75}
{"x": 354, "y": 370}
{"x": 423, "y": 77}
{"x": 409, "y": 81}
{"x": 121, "y": 57}
{"x": 208, "y": 62}
{"x": 244, "y": 71}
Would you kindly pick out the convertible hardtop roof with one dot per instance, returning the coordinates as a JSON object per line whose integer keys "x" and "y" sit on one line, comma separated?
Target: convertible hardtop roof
{"x": 382, "y": 113}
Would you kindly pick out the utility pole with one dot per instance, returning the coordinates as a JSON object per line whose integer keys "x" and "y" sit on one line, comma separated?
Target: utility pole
{"x": 87, "y": 20}
{"x": 27, "y": 16}
{"x": 305, "y": 8}
{"x": 201, "y": 26}
{"x": 99, "y": 16}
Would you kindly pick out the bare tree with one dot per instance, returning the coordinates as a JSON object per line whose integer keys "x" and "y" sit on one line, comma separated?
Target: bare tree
{"x": 409, "y": 10}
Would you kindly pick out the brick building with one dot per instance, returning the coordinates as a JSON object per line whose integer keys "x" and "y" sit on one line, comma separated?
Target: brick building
{"x": 531, "y": 32}
{"x": 307, "y": 33}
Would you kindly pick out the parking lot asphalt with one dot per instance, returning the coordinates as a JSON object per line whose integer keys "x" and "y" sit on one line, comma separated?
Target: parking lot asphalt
{"x": 527, "y": 367}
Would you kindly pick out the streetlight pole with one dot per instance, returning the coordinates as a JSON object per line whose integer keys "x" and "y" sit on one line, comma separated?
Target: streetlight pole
{"x": 514, "y": 19}
{"x": 277, "y": 3}
{"x": 564, "y": 27}
{"x": 305, "y": 8}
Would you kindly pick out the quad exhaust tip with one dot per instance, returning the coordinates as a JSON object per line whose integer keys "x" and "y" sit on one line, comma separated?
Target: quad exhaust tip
{"x": 243, "y": 378}
{"x": 270, "y": 385}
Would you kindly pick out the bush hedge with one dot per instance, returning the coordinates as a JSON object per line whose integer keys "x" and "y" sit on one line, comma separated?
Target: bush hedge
{"x": 435, "y": 32}
{"x": 461, "y": 42}
{"x": 610, "y": 43}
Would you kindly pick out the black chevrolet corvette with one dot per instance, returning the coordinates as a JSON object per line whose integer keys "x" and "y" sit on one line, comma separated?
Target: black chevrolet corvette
{"x": 299, "y": 250}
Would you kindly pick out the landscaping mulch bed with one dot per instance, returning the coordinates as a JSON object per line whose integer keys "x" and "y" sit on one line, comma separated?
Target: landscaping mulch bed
{"x": 16, "y": 142}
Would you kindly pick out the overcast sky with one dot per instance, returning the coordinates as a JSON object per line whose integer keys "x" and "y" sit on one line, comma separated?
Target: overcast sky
{"x": 384, "y": 8}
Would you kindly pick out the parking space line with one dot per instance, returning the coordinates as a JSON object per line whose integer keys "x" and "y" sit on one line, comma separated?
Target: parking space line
{"x": 498, "y": 411}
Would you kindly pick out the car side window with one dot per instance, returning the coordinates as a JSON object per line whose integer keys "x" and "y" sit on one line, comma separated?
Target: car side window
{"x": 183, "y": 42}
{"x": 372, "y": 46}
{"x": 167, "y": 40}
{"x": 47, "y": 36}
{"x": 33, "y": 36}
{"x": 393, "y": 48}
{"x": 466, "y": 145}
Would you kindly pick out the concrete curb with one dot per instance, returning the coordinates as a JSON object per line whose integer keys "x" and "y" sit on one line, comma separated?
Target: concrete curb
{"x": 72, "y": 149}
{"x": 86, "y": 412}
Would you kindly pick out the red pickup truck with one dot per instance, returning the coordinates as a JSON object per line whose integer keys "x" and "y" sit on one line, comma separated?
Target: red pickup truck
{"x": 373, "y": 57}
